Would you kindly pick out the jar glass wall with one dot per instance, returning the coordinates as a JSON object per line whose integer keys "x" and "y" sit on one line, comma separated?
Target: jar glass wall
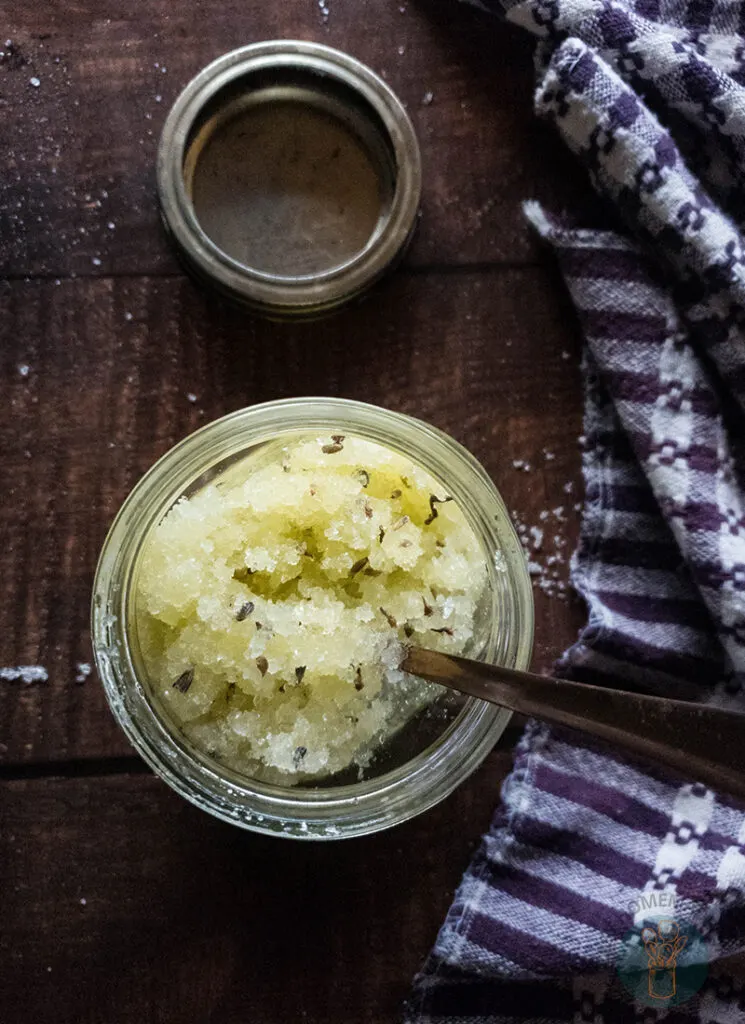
{"x": 434, "y": 753}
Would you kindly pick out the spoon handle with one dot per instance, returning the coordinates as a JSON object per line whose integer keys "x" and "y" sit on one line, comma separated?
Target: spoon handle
{"x": 704, "y": 744}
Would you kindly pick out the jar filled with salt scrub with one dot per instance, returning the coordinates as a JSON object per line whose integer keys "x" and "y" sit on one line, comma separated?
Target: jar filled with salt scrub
{"x": 254, "y": 598}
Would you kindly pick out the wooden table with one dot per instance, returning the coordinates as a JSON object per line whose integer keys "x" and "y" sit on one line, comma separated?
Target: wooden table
{"x": 121, "y": 902}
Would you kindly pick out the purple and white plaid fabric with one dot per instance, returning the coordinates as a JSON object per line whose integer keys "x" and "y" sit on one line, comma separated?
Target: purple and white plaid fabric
{"x": 650, "y": 95}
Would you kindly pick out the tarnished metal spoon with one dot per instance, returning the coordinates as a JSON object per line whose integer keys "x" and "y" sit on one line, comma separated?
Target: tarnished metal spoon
{"x": 702, "y": 743}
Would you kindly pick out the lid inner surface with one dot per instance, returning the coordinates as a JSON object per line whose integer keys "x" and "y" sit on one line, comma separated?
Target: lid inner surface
{"x": 289, "y": 180}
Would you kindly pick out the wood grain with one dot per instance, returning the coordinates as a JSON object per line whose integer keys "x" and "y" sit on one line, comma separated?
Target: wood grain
{"x": 479, "y": 355}
{"x": 77, "y": 192}
{"x": 188, "y": 919}
{"x": 122, "y": 902}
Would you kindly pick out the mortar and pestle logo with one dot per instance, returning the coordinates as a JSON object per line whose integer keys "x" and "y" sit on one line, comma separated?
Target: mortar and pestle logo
{"x": 663, "y": 962}
{"x": 663, "y": 945}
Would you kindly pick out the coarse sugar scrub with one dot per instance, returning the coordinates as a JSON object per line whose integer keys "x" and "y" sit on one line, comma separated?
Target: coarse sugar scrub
{"x": 269, "y": 604}
{"x": 253, "y": 598}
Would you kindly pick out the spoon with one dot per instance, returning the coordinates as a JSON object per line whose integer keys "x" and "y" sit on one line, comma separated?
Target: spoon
{"x": 702, "y": 743}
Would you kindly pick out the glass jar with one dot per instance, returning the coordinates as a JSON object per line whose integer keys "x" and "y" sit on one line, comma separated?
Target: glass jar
{"x": 415, "y": 779}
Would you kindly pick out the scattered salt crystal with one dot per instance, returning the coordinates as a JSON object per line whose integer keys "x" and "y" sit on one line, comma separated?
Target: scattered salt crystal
{"x": 568, "y": 487}
{"x": 558, "y": 511}
{"x": 401, "y": 51}
{"x": 577, "y": 507}
{"x": 548, "y": 456}
{"x": 158, "y": 97}
{"x": 24, "y": 369}
{"x": 83, "y": 901}
{"x": 111, "y": 225}
{"x": 537, "y": 535}
{"x": 427, "y": 98}
{"x": 35, "y": 82}
{"x": 96, "y": 261}
{"x": 127, "y": 316}
{"x": 566, "y": 355}
{"x": 543, "y": 516}
{"x": 83, "y": 670}
{"x": 191, "y": 397}
{"x": 24, "y": 674}
{"x": 535, "y": 569}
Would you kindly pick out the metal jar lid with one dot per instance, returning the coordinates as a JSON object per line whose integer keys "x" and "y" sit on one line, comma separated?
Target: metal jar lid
{"x": 289, "y": 177}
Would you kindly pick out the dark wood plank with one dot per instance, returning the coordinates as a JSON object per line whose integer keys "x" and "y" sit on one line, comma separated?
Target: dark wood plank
{"x": 111, "y": 365}
{"x": 124, "y": 903}
{"x": 79, "y": 148}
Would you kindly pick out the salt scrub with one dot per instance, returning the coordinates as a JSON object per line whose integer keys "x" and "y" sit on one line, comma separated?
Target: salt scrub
{"x": 272, "y": 605}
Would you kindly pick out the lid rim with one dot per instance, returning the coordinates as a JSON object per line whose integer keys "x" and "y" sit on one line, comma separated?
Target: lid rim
{"x": 275, "y": 293}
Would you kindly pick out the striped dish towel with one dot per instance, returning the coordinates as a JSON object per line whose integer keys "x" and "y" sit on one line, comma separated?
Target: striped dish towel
{"x": 594, "y": 863}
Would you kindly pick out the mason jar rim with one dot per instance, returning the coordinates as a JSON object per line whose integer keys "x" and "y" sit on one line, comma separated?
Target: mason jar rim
{"x": 307, "y": 813}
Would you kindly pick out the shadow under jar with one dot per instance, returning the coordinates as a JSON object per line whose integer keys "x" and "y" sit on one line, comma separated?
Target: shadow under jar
{"x": 429, "y": 753}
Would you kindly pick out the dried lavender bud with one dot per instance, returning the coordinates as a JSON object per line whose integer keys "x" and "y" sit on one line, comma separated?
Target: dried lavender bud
{"x": 262, "y": 664}
{"x": 444, "y": 629}
{"x": 396, "y": 494}
{"x": 298, "y": 756}
{"x": 368, "y": 511}
{"x": 230, "y": 691}
{"x": 400, "y": 522}
{"x": 363, "y": 476}
{"x": 299, "y": 673}
{"x": 359, "y": 564}
{"x": 184, "y": 681}
{"x": 427, "y": 607}
{"x": 391, "y": 621}
{"x": 369, "y": 571}
{"x": 408, "y": 630}
{"x": 358, "y": 684}
{"x": 244, "y": 611}
{"x": 330, "y": 449}
{"x": 381, "y": 534}
{"x": 433, "y": 513}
